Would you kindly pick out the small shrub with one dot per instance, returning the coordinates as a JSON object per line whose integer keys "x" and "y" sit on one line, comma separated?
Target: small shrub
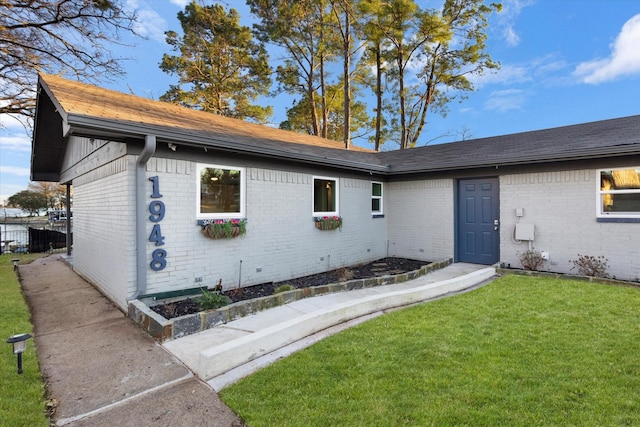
{"x": 284, "y": 288}
{"x": 589, "y": 265}
{"x": 210, "y": 300}
{"x": 531, "y": 260}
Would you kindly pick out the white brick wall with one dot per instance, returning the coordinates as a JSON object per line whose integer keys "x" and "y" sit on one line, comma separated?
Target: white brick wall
{"x": 420, "y": 215}
{"x": 562, "y": 206}
{"x": 281, "y": 241}
{"x": 103, "y": 226}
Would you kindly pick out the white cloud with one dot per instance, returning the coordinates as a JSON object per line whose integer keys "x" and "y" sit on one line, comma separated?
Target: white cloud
{"x": 14, "y": 170}
{"x": 150, "y": 23}
{"x": 511, "y": 9}
{"x": 12, "y": 143}
{"x": 507, "y": 74}
{"x": 13, "y": 135}
{"x": 546, "y": 70}
{"x": 13, "y": 179}
{"x": 180, "y": 3}
{"x": 7, "y": 190}
{"x": 624, "y": 58}
{"x": 549, "y": 65}
{"x": 505, "y": 100}
{"x": 9, "y": 123}
{"x": 512, "y": 38}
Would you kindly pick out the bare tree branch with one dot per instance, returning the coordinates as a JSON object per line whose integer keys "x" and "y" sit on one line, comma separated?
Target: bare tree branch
{"x": 67, "y": 37}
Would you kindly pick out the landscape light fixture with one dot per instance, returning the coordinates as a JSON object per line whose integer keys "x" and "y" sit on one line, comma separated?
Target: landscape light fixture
{"x": 19, "y": 346}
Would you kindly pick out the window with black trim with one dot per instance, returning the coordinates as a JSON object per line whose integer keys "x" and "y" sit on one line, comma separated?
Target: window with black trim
{"x": 619, "y": 193}
{"x": 220, "y": 191}
{"x": 376, "y": 198}
{"x": 325, "y": 196}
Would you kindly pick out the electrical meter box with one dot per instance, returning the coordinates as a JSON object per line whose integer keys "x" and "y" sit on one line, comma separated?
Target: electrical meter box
{"x": 525, "y": 232}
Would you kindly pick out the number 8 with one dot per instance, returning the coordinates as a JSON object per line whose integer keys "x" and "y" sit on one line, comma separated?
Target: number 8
{"x": 158, "y": 261}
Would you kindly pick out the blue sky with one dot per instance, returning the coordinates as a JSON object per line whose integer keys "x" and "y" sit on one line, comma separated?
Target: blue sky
{"x": 562, "y": 62}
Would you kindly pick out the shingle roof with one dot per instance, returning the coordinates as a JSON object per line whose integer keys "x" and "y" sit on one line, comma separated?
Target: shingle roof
{"x": 605, "y": 138}
{"x": 68, "y": 107}
{"x": 91, "y": 101}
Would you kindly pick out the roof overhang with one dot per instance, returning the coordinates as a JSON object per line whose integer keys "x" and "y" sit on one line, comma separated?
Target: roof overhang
{"x": 587, "y": 154}
{"x": 53, "y": 126}
{"x": 48, "y": 144}
{"x": 122, "y": 131}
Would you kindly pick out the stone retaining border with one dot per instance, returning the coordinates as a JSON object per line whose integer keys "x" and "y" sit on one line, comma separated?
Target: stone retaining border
{"x": 163, "y": 329}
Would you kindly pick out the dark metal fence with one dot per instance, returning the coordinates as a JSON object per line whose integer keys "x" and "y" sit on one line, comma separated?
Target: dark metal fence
{"x": 34, "y": 240}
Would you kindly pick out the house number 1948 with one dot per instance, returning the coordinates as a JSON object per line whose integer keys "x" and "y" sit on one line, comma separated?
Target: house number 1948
{"x": 157, "y": 210}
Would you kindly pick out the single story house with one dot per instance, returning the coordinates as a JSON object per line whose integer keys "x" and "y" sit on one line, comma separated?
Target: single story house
{"x": 149, "y": 176}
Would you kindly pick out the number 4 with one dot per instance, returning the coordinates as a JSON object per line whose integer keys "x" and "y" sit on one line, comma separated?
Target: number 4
{"x": 156, "y": 235}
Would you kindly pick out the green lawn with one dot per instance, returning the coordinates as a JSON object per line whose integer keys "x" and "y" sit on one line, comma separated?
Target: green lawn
{"x": 21, "y": 396}
{"x": 520, "y": 351}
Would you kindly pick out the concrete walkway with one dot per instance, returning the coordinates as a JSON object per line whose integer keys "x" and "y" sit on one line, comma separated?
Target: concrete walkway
{"x": 102, "y": 370}
{"x": 226, "y": 353}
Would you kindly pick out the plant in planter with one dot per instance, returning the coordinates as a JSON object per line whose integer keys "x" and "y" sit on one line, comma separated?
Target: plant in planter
{"x": 212, "y": 299}
{"x": 284, "y": 288}
{"x": 328, "y": 222}
{"x": 531, "y": 260}
{"x": 225, "y": 229}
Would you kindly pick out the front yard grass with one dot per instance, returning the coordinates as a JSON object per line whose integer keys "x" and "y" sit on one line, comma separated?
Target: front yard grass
{"x": 22, "y": 401}
{"x": 520, "y": 351}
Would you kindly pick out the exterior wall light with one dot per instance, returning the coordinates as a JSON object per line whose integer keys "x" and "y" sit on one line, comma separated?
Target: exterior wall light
{"x": 19, "y": 346}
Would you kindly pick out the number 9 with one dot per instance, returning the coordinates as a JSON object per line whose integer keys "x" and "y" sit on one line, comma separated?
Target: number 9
{"x": 157, "y": 211}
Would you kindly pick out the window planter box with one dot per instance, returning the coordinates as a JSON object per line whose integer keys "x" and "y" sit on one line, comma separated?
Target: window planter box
{"x": 328, "y": 222}
{"x": 224, "y": 229}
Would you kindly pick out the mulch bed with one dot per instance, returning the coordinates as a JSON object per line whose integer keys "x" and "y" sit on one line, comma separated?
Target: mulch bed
{"x": 381, "y": 267}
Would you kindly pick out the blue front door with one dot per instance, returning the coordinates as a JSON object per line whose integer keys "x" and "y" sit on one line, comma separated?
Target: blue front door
{"x": 478, "y": 221}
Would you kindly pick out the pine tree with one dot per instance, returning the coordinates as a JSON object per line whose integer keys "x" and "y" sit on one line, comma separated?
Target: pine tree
{"x": 220, "y": 67}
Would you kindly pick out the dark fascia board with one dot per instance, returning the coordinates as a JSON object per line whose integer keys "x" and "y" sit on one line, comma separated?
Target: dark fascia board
{"x": 594, "y": 140}
{"x": 103, "y": 128}
{"x": 45, "y": 177}
{"x": 119, "y": 130}
{"x": 50, "y": 121}
{"x": 42, "y": 85}
{"x": 586, "y": 154}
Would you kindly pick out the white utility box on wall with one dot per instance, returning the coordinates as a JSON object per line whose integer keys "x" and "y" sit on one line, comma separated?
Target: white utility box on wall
{"x": 525, "y": 232}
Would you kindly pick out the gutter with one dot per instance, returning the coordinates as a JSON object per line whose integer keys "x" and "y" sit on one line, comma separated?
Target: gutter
{"x": 141, "y": 230}
{"x": 84, "y": 125}
{"x": 589, "y": 154}
{"x": 92, "y": 127}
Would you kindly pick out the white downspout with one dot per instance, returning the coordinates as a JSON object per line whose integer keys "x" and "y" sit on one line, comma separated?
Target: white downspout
{"x": 141, "y": 215}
